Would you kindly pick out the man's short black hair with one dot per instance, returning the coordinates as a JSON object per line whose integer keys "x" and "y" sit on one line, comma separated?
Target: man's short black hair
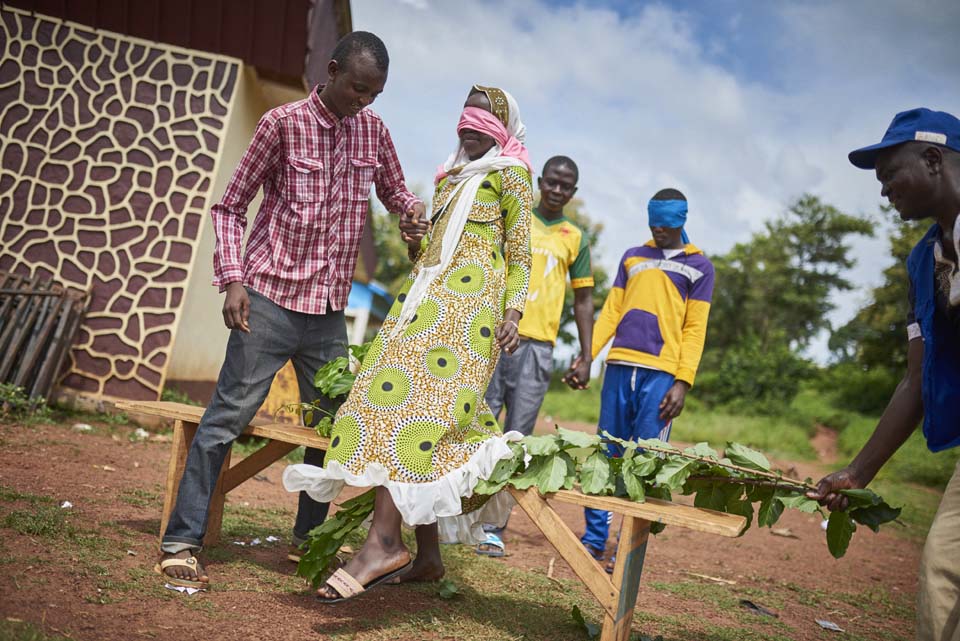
{"x": 358, "y": 42}
{"x": 563, "y": 161}
{"x": 669, "y": 194}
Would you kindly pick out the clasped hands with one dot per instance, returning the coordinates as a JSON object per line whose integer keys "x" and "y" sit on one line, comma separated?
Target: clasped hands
{"x": 414, "y": 225}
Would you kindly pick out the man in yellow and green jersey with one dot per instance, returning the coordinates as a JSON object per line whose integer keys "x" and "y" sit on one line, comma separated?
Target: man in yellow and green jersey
{"x": 559, "y": 249}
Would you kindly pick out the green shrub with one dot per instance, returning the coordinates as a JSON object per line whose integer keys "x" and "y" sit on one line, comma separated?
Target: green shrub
{"x": 752, "y": 379}
{"x": 15, "y": 405}
{"x": 854, "y": 388}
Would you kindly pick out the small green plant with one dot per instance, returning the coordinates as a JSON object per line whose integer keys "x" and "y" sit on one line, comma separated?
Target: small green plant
{"x": 16, "y": 405}
{"x": 173, "y": 395}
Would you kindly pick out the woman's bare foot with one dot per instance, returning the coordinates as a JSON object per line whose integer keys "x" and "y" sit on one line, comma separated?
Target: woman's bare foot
{"x": 423, "y": 571}
{"x": 377, "y": 557}
{"x": 182, "y": 572}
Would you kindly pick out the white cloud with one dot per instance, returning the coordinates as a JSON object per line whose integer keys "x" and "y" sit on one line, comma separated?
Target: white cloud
{"x": 643, "y": 102}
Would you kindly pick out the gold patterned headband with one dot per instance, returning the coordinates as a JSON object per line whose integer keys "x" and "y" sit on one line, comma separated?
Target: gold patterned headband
{"x": 498, "y": 103}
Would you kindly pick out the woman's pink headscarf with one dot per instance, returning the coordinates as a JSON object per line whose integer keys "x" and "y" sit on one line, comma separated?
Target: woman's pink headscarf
{"x": 486, "y": 123}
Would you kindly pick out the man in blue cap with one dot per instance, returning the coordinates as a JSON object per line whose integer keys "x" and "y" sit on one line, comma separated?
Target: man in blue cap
{"x": 656, "y": 313}
{"x": 918, "y": 166}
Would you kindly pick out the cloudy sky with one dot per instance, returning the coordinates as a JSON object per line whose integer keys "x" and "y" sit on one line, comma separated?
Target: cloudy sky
{"x": 741, "y": 105}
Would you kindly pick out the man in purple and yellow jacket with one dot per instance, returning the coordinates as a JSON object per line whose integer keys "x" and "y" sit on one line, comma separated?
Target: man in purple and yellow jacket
{"x": 656, "y": 314}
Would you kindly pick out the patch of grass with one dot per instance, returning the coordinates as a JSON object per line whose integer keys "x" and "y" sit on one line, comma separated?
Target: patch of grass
{"x": 173, "y": 395}
{"x": 783, "y": 437}
{"x": 779, "y": 437}
{"x": 140, "y": 498}
{"x": 43, "y": 519}
{"x": 25, "y": 631}
{"x": 562, "y": 403}
{"x": 245, "y": 523}
{"x": 9, "y": 495}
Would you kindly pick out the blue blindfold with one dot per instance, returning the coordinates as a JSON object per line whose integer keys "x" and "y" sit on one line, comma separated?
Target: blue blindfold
{"x": 668, "y": 213}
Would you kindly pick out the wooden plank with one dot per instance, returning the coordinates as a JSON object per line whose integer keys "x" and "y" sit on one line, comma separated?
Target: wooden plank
{"x": 569, "y": 547}
{"x": 215, "y": 513}
{"x": 657, "y": 511}
{"x": 259, "y": 460}
{"x": 50, "y": 365}
{"x": 40, "y": 345}
{"x": 183, "y": 434}
{"x": 77, "y": 313}
{"x": 305, "y": 436}
{"x": 274, "y": 431}
{"x": 631, "y": 551}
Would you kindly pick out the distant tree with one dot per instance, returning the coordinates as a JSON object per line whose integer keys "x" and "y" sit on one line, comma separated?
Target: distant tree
{"x": 772, "y": 297}
{"x": 575, "y": 211}
{"x": 393, "y": 265}
{"x": 871, "y": 349}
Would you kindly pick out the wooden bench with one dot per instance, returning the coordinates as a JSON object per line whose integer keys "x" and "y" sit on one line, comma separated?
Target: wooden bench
{"x": 617, "y": 593}
{"x": 282, "y": 438}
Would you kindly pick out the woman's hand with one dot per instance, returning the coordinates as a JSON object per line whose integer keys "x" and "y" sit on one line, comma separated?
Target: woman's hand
{"x": 508, "y": 334}
{"x": 414, "y": 225}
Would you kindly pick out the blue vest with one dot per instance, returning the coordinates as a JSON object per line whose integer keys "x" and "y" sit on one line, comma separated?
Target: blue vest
{"x": 941, "y": 351}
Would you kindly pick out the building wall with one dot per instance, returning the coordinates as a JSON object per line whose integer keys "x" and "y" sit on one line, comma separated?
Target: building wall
{"x": 109, "y": 147}
{"x": 202, "y": 339}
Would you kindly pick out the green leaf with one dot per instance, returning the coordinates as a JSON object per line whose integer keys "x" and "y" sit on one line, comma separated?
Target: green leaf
{"x": 448, "y": 589}
{"x": 800, "y": 502}
{"x": 673, "y": 474}
{"x": 574, "y": 438}
{"x": 745, "y": 457}
{"x": 625, "y": 444}
{"x": 703, "y": 450}
{"x": 541, "y": 445}
{"x": 595, "y": 474}
{"x": 840, "y": 529}
{"x": 861, "y": 498}
{"x": 634, "y": 486}
{"x": 875, "y": 515}
{"x": 528, "y": 478}
{"x": 554, "y": 472}
{"x": 325, "y": 540}
{"x": 359, "y": 352}
{"x": 592, "y": 629}
{"x": 642, "y": 463}
{"x": 325, "y": 426}
{"x": 770, "y": 510}
{"x": 716, "y": 495}
{"x": 655, "y": 442}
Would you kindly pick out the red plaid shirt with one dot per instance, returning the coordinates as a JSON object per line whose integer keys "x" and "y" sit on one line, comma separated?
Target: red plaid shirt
{"x": 316, "y": 172}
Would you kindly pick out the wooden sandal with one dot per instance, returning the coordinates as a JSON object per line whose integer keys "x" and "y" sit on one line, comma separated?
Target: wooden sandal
{"x": 190, "y": 563}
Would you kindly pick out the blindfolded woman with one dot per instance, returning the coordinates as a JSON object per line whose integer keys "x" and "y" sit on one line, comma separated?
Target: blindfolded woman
{"x": 416, "y": 426}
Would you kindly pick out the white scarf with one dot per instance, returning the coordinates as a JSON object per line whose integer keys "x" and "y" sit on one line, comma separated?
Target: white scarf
{"x": 470, "y": 178}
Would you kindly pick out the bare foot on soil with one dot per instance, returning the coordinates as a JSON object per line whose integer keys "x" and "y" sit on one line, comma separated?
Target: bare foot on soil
{"x": 422, "y": 571}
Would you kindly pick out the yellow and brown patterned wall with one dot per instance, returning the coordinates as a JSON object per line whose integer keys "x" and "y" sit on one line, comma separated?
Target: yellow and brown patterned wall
{"x": 109, "y": 149}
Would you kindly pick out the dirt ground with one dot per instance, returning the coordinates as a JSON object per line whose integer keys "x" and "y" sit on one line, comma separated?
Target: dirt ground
{"x": 100, "y": 584}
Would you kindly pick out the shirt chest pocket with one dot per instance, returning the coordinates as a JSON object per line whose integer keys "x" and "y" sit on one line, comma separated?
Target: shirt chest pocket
{"x": 303, "y": 180}
{"x": 359, "y": 177}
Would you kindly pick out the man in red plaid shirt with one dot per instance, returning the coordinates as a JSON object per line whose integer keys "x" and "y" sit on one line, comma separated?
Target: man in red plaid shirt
{"x": 315, "y": 160}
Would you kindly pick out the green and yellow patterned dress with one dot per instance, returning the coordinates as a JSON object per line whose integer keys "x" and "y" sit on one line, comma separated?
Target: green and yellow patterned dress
{"x": 416, "y": 420}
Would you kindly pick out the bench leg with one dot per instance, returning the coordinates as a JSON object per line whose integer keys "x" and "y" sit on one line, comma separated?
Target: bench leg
{"x": 631, "y": 551}
{"x": 569, "y": 547}
{"x": 215, "y": 514}
{"x": 183, "y": 434}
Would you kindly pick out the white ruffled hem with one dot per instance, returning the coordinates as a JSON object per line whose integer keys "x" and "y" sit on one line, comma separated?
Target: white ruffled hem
{"x": 421, "y": 503}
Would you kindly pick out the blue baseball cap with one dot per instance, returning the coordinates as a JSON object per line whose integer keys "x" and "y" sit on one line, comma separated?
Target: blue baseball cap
{"x": 921, "y": 124}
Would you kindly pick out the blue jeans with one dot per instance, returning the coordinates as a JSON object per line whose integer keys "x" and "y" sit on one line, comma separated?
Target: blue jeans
{"x": 629, "y": 409}
{"x": 252, "y": 360}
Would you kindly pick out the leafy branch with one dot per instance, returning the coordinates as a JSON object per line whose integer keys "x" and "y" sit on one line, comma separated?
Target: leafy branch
{"x": 741, "y": 481}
